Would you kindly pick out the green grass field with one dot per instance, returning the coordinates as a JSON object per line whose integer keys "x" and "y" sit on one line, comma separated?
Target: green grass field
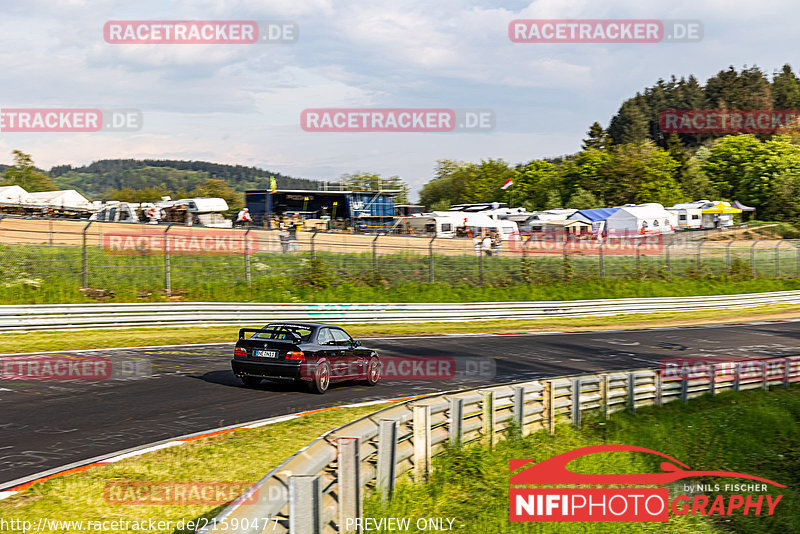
{"x": 752, "y": 432}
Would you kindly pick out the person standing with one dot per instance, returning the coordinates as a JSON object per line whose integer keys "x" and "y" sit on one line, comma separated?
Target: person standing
{"x": 487, "y": 245}
{"x": 244, "y": 219}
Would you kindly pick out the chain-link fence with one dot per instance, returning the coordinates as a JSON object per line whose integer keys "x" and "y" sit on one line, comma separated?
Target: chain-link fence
{"x": 170, "y": 257}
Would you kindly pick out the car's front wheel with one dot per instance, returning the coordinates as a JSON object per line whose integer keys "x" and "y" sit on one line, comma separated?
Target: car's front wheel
{"x": 373, "y": 371}
{"x": 250, "y": 381}
{"x": 322, "y": 378}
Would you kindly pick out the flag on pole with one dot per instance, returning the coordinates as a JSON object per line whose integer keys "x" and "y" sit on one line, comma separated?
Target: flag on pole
{"x": 508, "y": 183}
{"x": 273, "y": 185}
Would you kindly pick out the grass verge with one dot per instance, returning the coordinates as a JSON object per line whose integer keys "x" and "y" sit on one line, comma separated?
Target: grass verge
{"x": 244, "y": 456}
{"x": 752, "y": 432}
{"x": 128, "y": 337}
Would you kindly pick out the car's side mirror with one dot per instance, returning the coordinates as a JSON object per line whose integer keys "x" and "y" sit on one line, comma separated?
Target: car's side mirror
{"x": 356, "y": 343}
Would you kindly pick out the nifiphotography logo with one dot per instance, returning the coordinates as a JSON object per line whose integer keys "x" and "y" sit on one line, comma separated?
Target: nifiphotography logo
{"x": 620, "y": 503}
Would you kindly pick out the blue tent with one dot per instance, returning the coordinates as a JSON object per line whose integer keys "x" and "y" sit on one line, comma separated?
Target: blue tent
{"x": 593, "y": 215}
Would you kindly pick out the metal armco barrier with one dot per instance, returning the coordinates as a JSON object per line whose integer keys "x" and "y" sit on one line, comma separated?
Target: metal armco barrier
{"x": 325, "y": 481}
{"x": 82, "y": 316}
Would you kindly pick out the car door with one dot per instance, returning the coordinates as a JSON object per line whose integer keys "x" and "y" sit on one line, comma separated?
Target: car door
{"x": 355, "y": 367}
{"x": 334, "y": 354}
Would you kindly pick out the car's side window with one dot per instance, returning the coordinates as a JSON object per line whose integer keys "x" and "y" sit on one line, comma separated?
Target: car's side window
{"x": 340, "y": 337}
{"x": 324, "y": 337}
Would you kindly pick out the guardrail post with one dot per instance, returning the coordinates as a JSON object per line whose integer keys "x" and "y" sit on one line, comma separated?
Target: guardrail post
{"x": 456, "y": 430}
{"x": 576, "y": 402}
{"x": 348, "y": 478}
{"x": 85, "y": 258}
{"x": 387, "y": 458}
{"x": 549, "y": 408}
{"x": 488, "y": 417}
{"x": 737, "y": 372}
{"x": 519, "y": 409}
{"x": 778, "y": 260}
{"x": 167, "y": 268}
{"x": 753, "y": 258}
{"x": 632, "y": 392}
{"x": 786, "y": 371}
{"x": 305, "y": 504}
{"x": 375, "y": 254}
{"x": 313, "y": 251}
{"x": 685, "y": 385}
{"x": 604, "y": 395}
{"x": 430, "y": 260}
{"x": 247, "y": 257}
{"x": 659, "y": 389}
{"x": 712, "y": 379}
{"x": 422, "y": 441}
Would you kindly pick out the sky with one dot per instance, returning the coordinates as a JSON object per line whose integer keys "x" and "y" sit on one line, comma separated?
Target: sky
{"x": 242, "y": 103}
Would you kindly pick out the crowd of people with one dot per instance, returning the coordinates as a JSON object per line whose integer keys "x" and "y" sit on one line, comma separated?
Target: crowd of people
{"x": 488, "y": 244}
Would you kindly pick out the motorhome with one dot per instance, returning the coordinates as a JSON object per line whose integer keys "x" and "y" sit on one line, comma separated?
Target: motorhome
{"x": 457, "y": 224}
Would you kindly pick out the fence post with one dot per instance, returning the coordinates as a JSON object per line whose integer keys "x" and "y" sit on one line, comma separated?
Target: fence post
{"x": 712, "y": 379}
{"x": 667, "y": 258}
{"x": 430, "y": 260}
{"x": 480, "y": 267}
{"x": 764, "y": 379}
{"x": 167, "y": 267}
{"x": 348, "y": 478}
{"x": 601, "y": 255}
{"x": 632, "y": 392}
{"x": 728, "y": 256}
{"x": 387, "y": 457}
{"x": 375, "y": 254}
{"x": 576, "y": 402}
{"x": 456, "y": 429}
{"x": 700, "y": 255}
{"x": 305, "y": 504}
{"x": 247, "y": 257}
{"x": 778, "y": 260}
{"x": 313, "y": 251}
{"x": 50, "y": 232}
{"x": 548, "y": 400}
{"x": 753, "y": 258}
{"x": 85, "y": 258}
{"x": 422, "y": 441}
{"x": 737, "y": 371}
{"x": 488, "y": 417}
{"x": 519, "y": 408}
{"x": 638, "y": 259}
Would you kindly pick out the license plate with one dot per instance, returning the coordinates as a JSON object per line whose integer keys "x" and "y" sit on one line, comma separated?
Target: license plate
{"x": 265, "y": 353}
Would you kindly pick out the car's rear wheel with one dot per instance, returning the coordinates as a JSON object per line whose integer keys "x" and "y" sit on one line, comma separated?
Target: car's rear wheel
{"x": 250, "y": 381}
{"x": 373, "y": 371}
{"x": 322, "y": 378}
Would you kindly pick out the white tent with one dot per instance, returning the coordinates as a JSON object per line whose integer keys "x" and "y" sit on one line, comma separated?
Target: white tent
{"x": 14, "y": 194}
{"x": 68, "y": 198}
{"x": 649, "y": 218}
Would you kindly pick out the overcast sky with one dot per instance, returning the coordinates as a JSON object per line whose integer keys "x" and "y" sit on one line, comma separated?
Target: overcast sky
{"x": 241, "y": 104}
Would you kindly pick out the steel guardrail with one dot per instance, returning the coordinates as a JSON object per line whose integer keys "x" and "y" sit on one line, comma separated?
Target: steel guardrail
{"x": 320, "y": 489}
{"x": 119, "y": 315}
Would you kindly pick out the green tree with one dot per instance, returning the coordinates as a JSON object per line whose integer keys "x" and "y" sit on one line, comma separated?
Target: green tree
{"x": 786, "y": 89}
{"x": 582, "y": 199}
{"x": 785, "y": 199}
{"x": 25, "y": 175}
{"x": 370, "y": 181}
{"x": 535, "y": 182}
{"x": 729, "y": 160}
{"x": 218, "y": 189}
{"x": 644, "y": 173}
{"x": 597, "y": 137}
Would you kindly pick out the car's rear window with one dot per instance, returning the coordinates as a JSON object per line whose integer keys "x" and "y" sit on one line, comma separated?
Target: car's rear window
{"x": 282, "y": 331}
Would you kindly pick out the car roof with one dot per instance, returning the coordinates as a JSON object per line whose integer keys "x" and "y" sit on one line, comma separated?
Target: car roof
{"x": 307, "y": 325}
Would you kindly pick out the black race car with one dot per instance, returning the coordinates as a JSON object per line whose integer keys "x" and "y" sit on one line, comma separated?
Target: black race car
{"x": 310, "y": 353}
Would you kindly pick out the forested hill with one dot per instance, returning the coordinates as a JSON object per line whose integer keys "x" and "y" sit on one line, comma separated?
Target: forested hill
{"x": 750, "y": 88}
{"x": 105, "y": 177}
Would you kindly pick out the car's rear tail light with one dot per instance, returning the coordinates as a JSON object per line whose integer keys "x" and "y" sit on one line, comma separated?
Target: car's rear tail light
{"x": 295, "y": 356}
{"x": 239, "y": 351}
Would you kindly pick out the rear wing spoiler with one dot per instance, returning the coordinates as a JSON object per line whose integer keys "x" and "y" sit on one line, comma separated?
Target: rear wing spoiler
{"x": 243, "y": 331}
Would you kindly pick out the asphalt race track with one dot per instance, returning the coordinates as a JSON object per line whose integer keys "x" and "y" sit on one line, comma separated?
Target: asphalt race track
{"x": 47, "y": 424}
